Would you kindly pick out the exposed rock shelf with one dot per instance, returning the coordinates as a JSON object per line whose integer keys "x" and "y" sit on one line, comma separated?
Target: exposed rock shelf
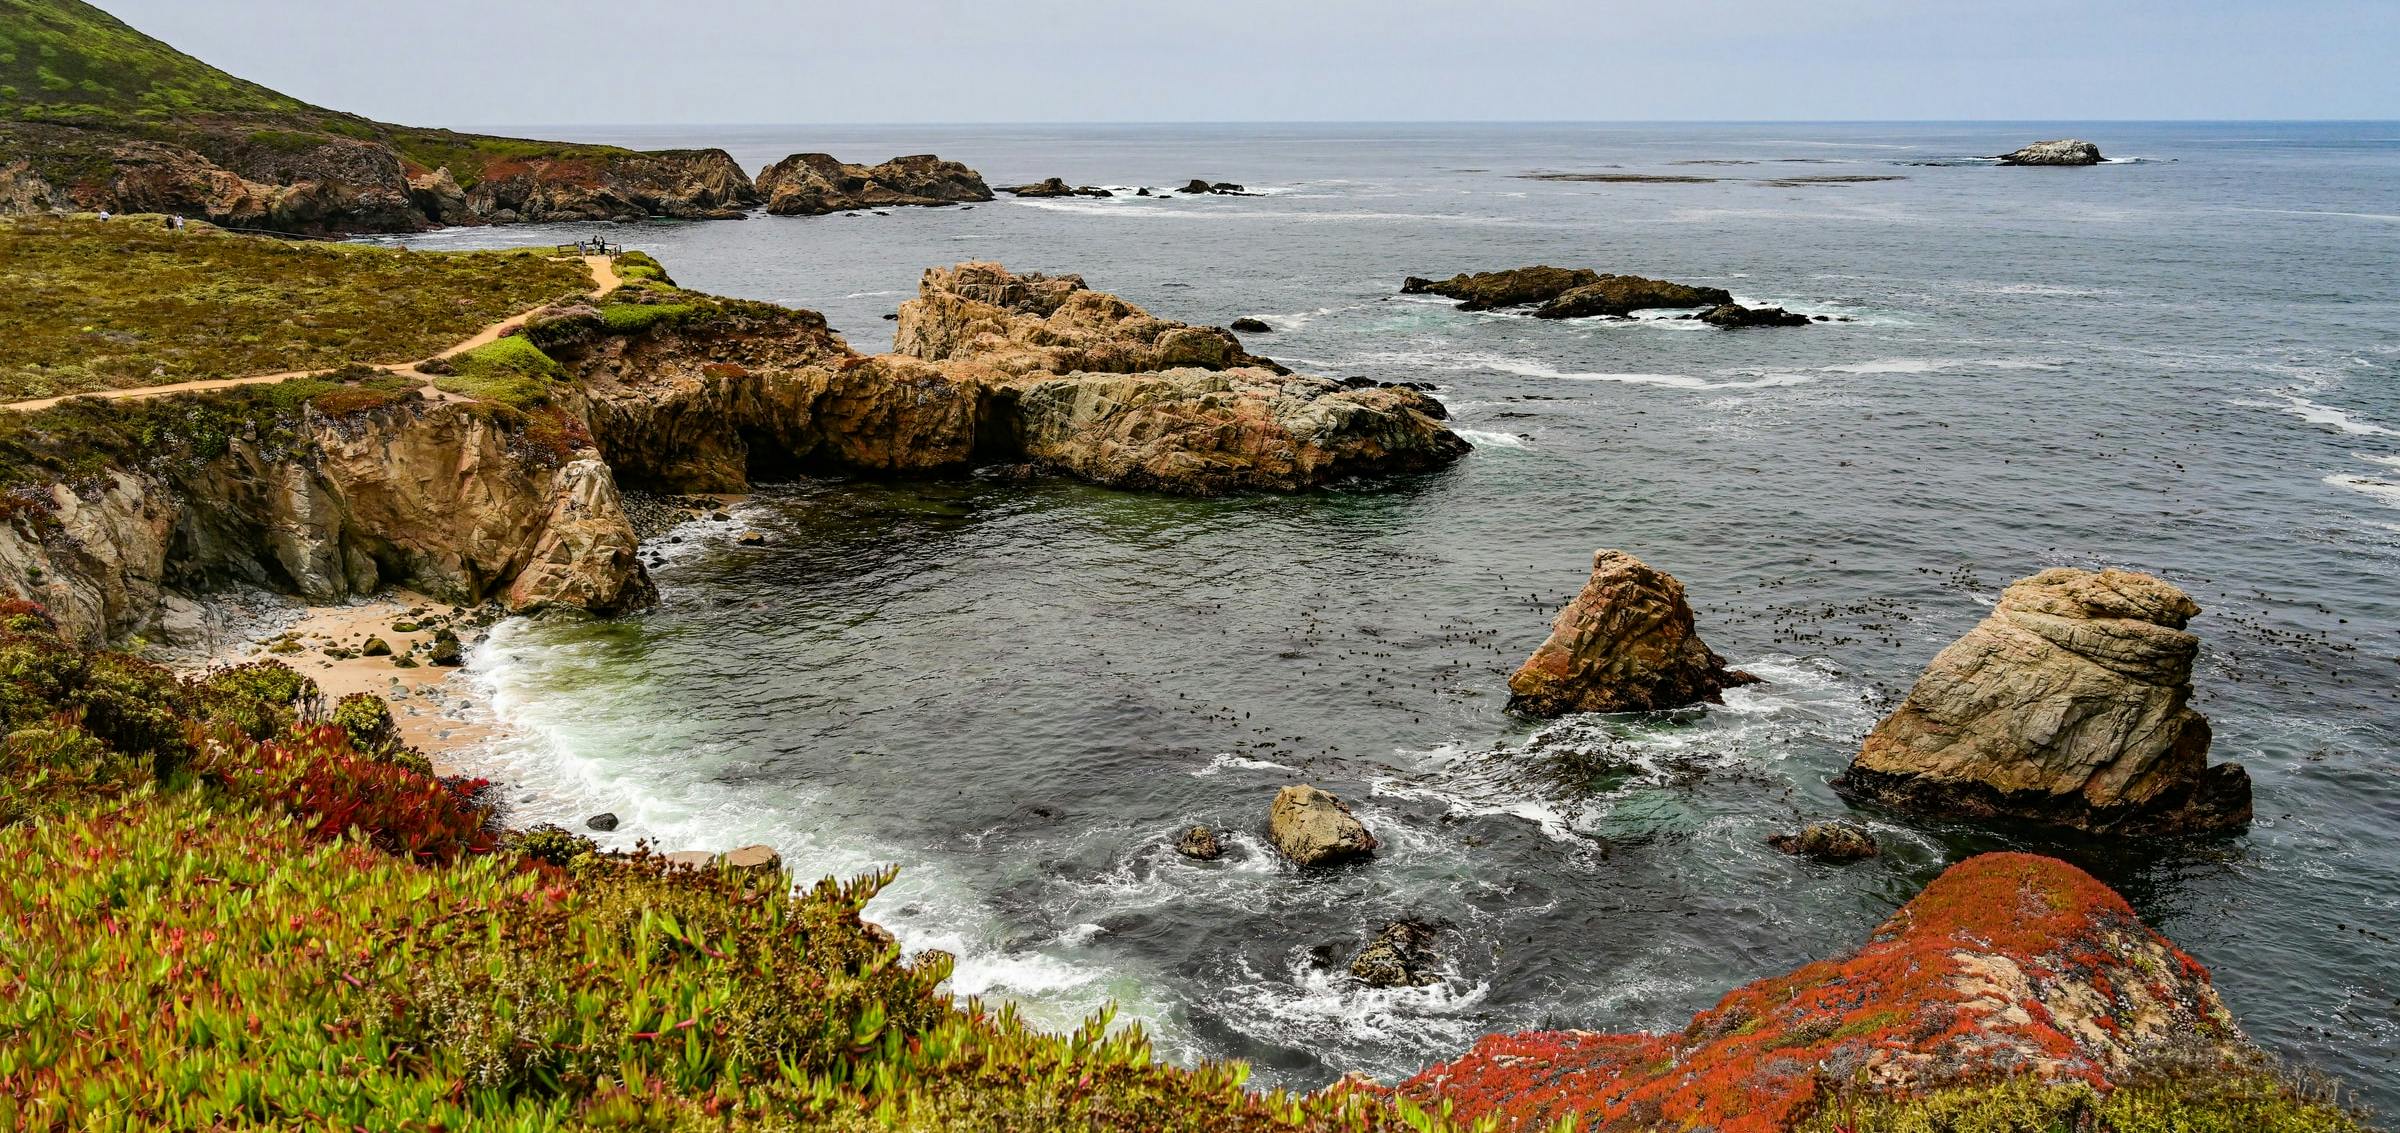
{"x": 1564, "y": 293}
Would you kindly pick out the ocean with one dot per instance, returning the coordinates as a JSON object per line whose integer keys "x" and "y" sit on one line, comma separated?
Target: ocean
{"x": 2183, "y": 362}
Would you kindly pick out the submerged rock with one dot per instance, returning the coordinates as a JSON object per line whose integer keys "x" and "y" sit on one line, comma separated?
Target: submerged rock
{"x": 1625, "y": 644}
{"x": 814, "y": 184}
{"x": 1515, "y": 287}
{"x": 1401, "y": 955}
{"x": 1200, "y": 843}
{"x": 1625, "y": 294}
{"x": 2068, "y": 705}
{"x": 2064, "y": 151}
{"x": 1312, "y": 827}
{"x": 2008, "y": 964}
{"x": 1734, "y": 315}
{"x": 1835, "y": 841}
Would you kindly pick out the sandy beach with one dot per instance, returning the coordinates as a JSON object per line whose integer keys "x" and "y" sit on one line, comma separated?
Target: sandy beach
{"x": 434, "y": 705}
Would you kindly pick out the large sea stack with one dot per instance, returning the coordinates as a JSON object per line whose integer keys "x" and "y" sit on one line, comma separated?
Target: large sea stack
{"x": 1625, "y": 644}
{"x": 2070, "y": 706}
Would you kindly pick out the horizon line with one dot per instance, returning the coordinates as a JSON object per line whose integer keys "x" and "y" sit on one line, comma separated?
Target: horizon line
{"x": 1465, "y": 122}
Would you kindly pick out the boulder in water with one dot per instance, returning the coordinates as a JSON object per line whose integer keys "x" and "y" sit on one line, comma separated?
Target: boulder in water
{"x": 1312, "y": 827}
{"x": 605, "y": 820}
{"x": 1401, "y": 955}
{"x": 1200, "y": 844}
{"x": 1625, "y": 294}
{"x": 2064, "y": 151}
{"x": 1733, "y": 316}
{"x": 2069, "y": 705}
{"x": 1835, "y": 841}
{"x": 1249, "y": 326}
{"x": 1625, "y": 644}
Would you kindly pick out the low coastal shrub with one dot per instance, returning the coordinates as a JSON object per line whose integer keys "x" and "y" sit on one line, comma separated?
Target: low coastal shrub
{"x": 510, "y": 371}
{"x": 82, "y": 438}
{"x": 94, "y": 305}
{"x": 2257, "y": 1101}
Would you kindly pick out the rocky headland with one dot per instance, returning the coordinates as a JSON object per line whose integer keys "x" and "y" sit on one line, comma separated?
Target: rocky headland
{"x": 1627, "y": 643}
{"x": 814, "y": 184}
{"x": 238, "y": 154}
{"x": 2069, "y": 705}
{"x": 508, "y": 489}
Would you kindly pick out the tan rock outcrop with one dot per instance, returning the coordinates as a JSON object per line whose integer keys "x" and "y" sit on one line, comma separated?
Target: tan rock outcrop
{"x": 586, "y": 555}
{"x": 1625, "y": 644}
{"x": 812, "y": 184}
{"x": 2068, "y": 705}
{"x": 1312, "y": 827}
{"x": 1085, "y": 383}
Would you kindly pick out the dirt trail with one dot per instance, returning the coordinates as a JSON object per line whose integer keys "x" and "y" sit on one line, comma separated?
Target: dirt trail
{"x": 604, "y": 280}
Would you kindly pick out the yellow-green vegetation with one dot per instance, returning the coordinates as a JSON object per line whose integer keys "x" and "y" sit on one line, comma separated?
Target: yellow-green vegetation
{"x": 223, "y": 911}
{"x": 2212, "y": 1101}
{"x": 511, "y": 371}
{"x": 93, "y": 305}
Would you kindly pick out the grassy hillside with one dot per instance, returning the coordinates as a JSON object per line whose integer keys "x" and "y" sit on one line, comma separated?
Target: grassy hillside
{"x": 93, "y": 305}
{"x": 66, "y": 61}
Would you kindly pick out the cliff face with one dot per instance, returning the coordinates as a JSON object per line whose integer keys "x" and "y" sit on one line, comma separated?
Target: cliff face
{"x": 430, "y": 495}
{"x": 313, "y": 182}
{"x": 2007, "y": 966}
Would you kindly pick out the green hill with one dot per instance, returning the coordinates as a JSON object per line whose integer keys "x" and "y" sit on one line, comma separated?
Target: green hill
{"x": 68, "y": 62}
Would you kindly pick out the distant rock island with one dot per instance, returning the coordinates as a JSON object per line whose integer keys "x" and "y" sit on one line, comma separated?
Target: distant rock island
{"x": 2064, "y": 151}
{"x": 813, "y": 184}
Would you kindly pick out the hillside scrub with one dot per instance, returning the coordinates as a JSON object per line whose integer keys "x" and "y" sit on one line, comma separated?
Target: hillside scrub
{"x": 95, "y": 305}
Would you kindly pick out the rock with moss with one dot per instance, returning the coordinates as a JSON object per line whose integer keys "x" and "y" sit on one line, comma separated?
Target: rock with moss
{"x": 1199, "y": 843}
{"x": 1832, "y": 841}
{"x": 1401, "y": 955}
{"x": 2007, "y": 964}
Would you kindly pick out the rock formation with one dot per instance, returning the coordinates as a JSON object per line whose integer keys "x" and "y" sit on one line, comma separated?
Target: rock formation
{"x": 1312, "y": 827}
{"x": 2007, "y": 965}
{"x": 813, "y": 184}
{"x": 1625, "y": 644}
{"x": 1401, "y": 955}
{"x": 1563, "y": 293}
{"x": 1082, "y": 382}
{"x": 1198, "y": 187}
{"x": 1734, "y": 316}
{"x": 2065, "y": 151}
{"x": 1249, "y": 326}
{"x": 1054, "y": 187}
{"x": 586, "y": 557}
{"x": 2068, "y": 705}
{"x": 1835, "y": 841}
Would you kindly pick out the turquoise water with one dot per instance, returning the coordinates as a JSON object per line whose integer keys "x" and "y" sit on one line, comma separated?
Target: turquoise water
{"x": 2183, "y": 362}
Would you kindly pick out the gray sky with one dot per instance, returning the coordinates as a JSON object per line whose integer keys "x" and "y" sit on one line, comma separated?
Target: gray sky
{"x": 486, "y": 62}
